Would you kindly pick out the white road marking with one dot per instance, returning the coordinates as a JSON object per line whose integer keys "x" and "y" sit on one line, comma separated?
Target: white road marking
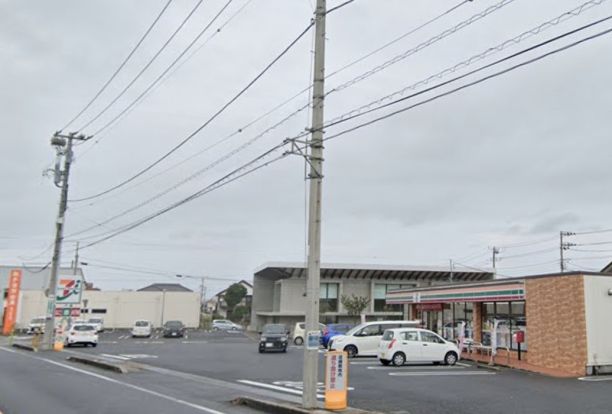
{"x": 364, "y": 363}
{"x": 125, "y": 384}
{"x": 275, "y": 387}
{"x": 108, "y": 342}
{"x": 438, "y": 373}
{"x": 391, "y": 368}
{"x": 595, "y": 379}
{"x": 194, "y": 342}
{"x": 138, "y": 356}
{"x": 115, "y": 357}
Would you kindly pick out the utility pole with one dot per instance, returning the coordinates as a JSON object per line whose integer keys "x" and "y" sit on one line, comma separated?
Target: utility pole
{"x": 311, "y": 356}
{"x": 564, "y": 246}
{"x": 494, "y": 259}
{"x": 76, "y": 259}
{"x": 63, "y": 146}
{"x": 451, "y": 270}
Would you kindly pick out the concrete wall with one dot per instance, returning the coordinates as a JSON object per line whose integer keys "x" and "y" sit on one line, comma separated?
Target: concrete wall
{"x": 263, "y": 297}
{"x": 122, "y": 307}
{"x": 292, "y": 295}
{"x": 598, "y": 308}
{"x": 556, "y": 323}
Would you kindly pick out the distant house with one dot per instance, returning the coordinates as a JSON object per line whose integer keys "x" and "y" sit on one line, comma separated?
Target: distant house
{"x": 168, "y": 287}
{"x": 607, "y": 269}
{"x": 218, "y": 305}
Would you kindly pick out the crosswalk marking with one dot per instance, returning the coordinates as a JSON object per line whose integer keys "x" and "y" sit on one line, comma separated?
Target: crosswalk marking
{"x": 275, "y": 387}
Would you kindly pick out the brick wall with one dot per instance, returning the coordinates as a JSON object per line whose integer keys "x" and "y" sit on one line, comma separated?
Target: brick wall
{"x": 477, "y": 321}
{"x": 556, "y": 325}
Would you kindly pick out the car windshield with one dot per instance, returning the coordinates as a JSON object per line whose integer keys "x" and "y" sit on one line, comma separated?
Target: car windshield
{"x": 38, "y": 320}
{"x": 84, "y": 328}
{"x": 95, "y": 321}
{"x": 356, "y": 329}
{"x": 173, "y": 324}
{"x": 339, "y": 328}
{"x": 388, "y": 335}
{"x": 274, "y": 329}
{"x": 141, "y": 323}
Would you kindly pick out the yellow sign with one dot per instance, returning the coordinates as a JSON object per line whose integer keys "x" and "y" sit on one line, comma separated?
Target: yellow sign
{"x": 336, "y": 380}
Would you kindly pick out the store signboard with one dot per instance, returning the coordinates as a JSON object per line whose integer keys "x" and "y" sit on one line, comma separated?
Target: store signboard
{"x": 69, "y": 290}
{"x": 12, "y": 299}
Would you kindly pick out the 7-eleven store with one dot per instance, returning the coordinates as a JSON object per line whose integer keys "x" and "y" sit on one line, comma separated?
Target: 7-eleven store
{"x": 563, "y": 318}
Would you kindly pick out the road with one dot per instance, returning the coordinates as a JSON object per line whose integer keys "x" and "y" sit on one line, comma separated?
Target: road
{"x": 232, "y": 360}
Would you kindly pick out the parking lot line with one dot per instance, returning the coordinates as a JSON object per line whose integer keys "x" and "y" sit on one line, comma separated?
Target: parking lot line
{"x": 438, "y": 373}
{"x": 115, "y": 357}
{"x": 417, "y": 367}
{"x": 274, "y": 387}
{"x": 595, "y": 379}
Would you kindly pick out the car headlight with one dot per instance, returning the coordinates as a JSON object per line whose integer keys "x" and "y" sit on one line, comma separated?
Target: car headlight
{"x": 263, "y": 338}
{"x": 283, "y": 338}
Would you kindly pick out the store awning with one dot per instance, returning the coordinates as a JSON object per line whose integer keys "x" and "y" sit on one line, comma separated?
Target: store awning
{"x": 482, "y": 292}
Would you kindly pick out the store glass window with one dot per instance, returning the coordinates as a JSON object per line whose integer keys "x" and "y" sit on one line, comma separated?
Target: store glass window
{"x": 328, "y": 297}
{"x": 510, "y": 317}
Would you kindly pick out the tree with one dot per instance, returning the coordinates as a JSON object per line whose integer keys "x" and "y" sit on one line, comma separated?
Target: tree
{"x": 233, "y": 296}
{"x": 240, "y": 314}
{"x": 355, "y": 305}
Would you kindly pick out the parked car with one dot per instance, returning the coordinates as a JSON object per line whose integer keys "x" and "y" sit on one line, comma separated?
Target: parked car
{"x": 142, "y": 328}
{"x": 363, "y": 339}
{"x": 402, "y": 345}
{"x": 98, "y": 322}
{"x": 225, "y": 325}
{"x": 36, "y": 325}
{"x": 274, "y": 337}
{"x": 85, "y": 334}
{"x": 174, "y": 329}
{"x": 299, "y": 333}
{"x": 333, "y": 330}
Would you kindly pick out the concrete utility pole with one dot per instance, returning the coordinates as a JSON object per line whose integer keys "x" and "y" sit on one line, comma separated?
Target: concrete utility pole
{"x": 60, "y": 142}
{"x": 564, "y": 246}
{"x": 451, "y": 270}
{"x": 494, "y": 259}
{"x": 311, "y": 356}
{"x": 76, "y": 259}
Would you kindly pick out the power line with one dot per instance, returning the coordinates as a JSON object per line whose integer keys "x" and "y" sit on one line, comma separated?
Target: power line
{"x": 140, "y": 97}
{"x": 594, "y": 243}
{"x": 592, "y": 232}
{"x": 529, "y": 253}
{"x": 530, "y": 265}
{"x": 145, "y": 67}
{"x": 228, "y": 178}
{"x": 285, "y": 102}
{"x": 125, "y": 61}
{"x": 470, "y": 84}
{"x": 205, "y": 124}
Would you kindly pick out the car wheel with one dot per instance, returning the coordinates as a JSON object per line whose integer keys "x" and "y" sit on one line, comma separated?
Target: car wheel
{"x": 298, "y": 341}
{"x": 261, "y": 351}
{"x": 94, "y": 345}
{"x": 285, "y": 349}
{"x": 450, "y": 358}
{"x": 399, "y": 359}
{"x": 351, "y": 350}
{"x": 385, "y": 362}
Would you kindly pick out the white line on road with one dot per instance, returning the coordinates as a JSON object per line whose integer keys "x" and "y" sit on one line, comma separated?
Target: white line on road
{"x": 438, "y": 373}
{"x": 595, "y": 379}
{"x": 115, "y": 357}
{"x": 194, "y": 342}
{"x": 125, "y": 384}
{"x": 392, "y": 368}
{"x": 107, "y": 342}
{"x": 274, "y": 387}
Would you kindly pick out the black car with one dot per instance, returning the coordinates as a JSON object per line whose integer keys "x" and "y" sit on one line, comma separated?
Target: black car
{"x": 174, "y": 329}
{"x": 274, "y": 337}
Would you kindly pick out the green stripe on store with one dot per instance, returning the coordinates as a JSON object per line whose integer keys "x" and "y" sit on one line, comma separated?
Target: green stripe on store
{"x": 497, "y": 293}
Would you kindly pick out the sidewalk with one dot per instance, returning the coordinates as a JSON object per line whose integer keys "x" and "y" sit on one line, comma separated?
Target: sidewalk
{"x": 509, "y": 361}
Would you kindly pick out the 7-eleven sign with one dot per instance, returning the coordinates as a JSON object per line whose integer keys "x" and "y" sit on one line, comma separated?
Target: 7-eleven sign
{"x": 69, "y": 290}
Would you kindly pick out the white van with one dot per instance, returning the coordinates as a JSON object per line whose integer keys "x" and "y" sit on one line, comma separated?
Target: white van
{"x": 299, "y": 332}
{"x": 363, "y": 339}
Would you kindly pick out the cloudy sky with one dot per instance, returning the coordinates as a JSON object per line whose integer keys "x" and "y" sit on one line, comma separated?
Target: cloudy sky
{"x": 509, "y": 162}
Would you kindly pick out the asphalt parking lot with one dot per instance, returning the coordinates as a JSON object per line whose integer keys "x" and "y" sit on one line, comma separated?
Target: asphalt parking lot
{"x": 463, "y": 388}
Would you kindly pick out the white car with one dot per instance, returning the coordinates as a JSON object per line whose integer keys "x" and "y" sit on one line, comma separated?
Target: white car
{"x": 82, "y": 333}
{"x": 399, "y": 346}
{"x": 363, "y": 339}
{"x": 36, "y": 325}
{"x": 142, "y": 329}
{"x": 98, "y": 322}
{"x": 225, "y": 325}
{"x": 299, "y": 333}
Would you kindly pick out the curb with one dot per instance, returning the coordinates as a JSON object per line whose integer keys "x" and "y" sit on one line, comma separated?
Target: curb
{"x": 99, "y": 364}
{"x": 278, "y": 407}
{"x": 25, "y": 347}
{"x": 489, "y": 367}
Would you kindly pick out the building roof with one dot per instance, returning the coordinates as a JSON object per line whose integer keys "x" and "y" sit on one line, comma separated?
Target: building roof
{"x": 280, "y": 270}
{"x": 607, "y": 269}
{"x": 168, "y": 287}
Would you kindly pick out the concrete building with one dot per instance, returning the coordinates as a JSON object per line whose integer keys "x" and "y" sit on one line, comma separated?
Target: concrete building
{"x": 119, "y": 309}
{"x": 279, "y": 290}
{"x": 564, "y": 319}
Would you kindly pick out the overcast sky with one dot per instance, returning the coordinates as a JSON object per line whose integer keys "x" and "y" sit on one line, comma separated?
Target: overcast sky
{"x": 508, "y": 163}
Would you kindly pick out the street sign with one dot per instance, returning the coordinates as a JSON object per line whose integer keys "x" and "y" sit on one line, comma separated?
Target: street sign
{"x": 313, "y": 340}
{"x": 336, "y": 380}
{"x": 69, "y": 290}
{"x": 12, "y": 298}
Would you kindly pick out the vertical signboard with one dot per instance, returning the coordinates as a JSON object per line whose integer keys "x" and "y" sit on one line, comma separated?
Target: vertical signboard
{"x": 336, "y": 380}
{"x": 12, "y": 298}
{"x": 69, "y": 290}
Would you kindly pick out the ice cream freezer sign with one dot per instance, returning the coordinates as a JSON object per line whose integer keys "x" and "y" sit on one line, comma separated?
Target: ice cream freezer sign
{"x": 69, "y": 290}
